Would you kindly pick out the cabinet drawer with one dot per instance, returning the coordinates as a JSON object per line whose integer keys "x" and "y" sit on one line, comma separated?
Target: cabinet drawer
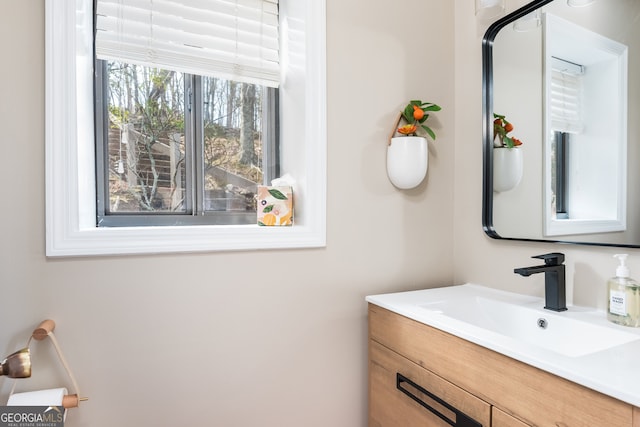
{"x": 535, "y": 396}
{"x": 389, "y": 406}
{"x": 501, "y": 419}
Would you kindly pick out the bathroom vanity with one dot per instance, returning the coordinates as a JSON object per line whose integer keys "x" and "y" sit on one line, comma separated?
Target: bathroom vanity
{"x": 422, "y": 375}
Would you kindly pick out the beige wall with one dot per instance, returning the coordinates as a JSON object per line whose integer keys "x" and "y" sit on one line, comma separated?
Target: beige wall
{"x": 261, "y": 349}
{"x": 224, "y": 339}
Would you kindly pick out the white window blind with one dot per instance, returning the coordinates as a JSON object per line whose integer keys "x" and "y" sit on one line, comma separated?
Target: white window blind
{"x": 566, "y": 96}
{"x": 231, "y": 39}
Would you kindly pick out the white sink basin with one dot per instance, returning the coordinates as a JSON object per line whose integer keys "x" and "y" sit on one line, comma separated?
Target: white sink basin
{"x": 571, "y": 334}
{"x": 578, "y": 344}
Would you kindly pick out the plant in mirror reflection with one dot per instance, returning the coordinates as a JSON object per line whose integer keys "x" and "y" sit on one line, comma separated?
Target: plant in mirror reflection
{"x": 415, "y": 114}
{"x": 501, "y": 129}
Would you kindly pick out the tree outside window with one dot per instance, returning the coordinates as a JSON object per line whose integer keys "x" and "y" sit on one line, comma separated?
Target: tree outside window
{"x": 180, "y": 144}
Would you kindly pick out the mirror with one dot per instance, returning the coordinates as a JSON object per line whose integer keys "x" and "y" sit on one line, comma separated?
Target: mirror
{"x": 559, "y": 83}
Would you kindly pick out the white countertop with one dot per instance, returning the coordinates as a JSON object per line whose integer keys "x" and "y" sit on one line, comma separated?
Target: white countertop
{"x": 612, "y": 371}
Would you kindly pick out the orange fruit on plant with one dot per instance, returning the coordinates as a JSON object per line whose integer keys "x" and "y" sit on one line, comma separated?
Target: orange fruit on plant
{"x": 508, "y": 127}
{"x": 418, "y": 113}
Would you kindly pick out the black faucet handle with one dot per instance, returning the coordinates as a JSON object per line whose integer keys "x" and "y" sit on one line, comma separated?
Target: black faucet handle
{"x": 553, "y": 258}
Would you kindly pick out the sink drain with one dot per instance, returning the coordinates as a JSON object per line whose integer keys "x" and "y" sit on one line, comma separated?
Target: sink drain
{"x": 542, "y": 323}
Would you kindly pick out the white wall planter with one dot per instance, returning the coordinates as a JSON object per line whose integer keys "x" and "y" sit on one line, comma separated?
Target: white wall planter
{"x": 407, "y": 161}
{"x": 507, "y": 168}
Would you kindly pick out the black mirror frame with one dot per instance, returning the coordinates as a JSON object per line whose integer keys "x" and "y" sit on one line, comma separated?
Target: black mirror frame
{"x": 487, "y": 127}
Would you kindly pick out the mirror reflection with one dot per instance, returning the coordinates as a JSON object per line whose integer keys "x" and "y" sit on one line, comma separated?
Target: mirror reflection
{"x": 559, "y": 80}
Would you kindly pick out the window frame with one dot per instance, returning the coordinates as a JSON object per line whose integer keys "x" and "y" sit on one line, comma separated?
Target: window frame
{"x": 70, "y": 149}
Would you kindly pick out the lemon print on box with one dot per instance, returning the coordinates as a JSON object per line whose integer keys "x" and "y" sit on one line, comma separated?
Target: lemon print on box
{"x": 275, "y": 206}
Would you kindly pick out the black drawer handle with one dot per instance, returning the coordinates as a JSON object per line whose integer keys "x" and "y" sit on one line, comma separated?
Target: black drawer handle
{"x": 462, "y": 420}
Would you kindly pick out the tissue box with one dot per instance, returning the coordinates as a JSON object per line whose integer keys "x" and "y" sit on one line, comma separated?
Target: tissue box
{"x": 275, "y": 205}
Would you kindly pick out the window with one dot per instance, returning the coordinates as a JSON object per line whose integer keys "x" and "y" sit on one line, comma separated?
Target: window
{"x": 565, "y": 105}
{"x": 70, "y": 145}
{"x": 180, "y": 149}
{"x": 180, "y": 89}
{"x": 560, "y": 174}
{"x": 585, "y": 99}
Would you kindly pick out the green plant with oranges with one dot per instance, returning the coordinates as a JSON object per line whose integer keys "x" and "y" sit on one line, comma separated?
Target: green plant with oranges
{"x": 501, "y": 129}
{"x": 415, "y": 114}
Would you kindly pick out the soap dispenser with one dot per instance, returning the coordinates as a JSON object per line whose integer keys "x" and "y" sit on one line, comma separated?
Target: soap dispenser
{"x": 624, "y": 296}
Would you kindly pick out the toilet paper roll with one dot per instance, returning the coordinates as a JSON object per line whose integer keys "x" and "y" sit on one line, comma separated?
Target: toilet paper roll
{"x": 49, "y": 397}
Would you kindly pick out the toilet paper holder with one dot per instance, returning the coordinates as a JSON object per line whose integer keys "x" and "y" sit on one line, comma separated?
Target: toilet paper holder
{"x": 21, "y": 361}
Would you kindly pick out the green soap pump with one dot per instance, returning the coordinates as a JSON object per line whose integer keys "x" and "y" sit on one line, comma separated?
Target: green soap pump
{"x": 624, "y": 296}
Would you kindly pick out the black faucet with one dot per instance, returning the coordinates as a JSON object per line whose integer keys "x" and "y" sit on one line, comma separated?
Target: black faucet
{"x": 554, "y": 283}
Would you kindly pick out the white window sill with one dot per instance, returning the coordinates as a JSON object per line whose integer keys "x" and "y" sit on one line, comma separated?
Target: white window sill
{"x": 155, "y": 240}
{"x": 566, "y": 227}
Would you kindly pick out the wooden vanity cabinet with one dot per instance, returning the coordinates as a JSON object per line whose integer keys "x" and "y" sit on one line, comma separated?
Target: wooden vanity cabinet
{"x": 393, "y": 406}
{"x": 487, "y": 387}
